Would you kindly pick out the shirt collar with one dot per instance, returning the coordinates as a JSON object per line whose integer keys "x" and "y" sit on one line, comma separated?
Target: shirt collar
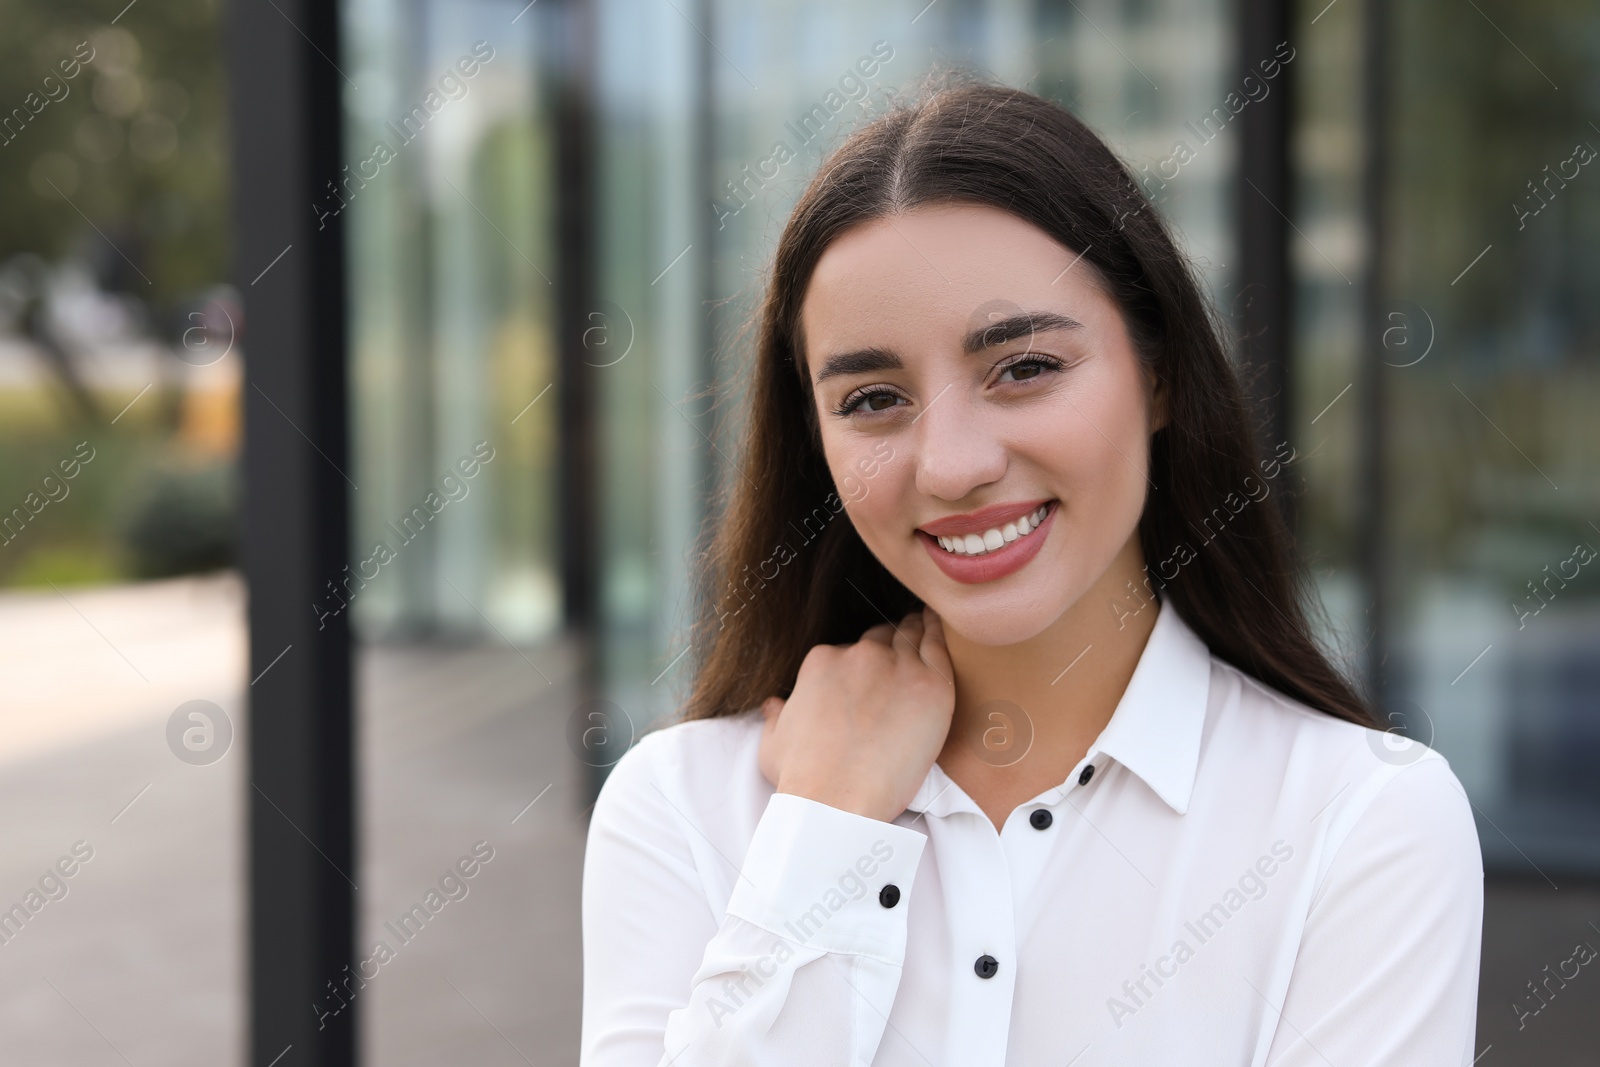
{"x": 1154, "y": 732}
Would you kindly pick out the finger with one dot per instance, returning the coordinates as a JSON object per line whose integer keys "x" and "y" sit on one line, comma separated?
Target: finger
{"x": 908, "y": 634}
{"x": 882, "y": 633}
{"x": 932, "y": 648}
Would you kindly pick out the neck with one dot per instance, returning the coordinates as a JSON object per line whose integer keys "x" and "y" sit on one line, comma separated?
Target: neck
{"x": 1066, "y": 681}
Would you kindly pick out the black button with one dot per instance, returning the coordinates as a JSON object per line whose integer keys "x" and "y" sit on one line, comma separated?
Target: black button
{"x": 1041, "y": 818}
{"x": 986, "y": 966}
{"x": 1088, "y": 773}
{"x": 889, "y": 895}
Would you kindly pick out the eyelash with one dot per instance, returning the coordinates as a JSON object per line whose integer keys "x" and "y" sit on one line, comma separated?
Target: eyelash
{"x": 854, "y": 400}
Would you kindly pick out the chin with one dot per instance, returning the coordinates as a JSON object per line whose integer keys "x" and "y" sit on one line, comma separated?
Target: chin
{"x": 1006, "y": 616}
{"x": 1013, "y": 610}
{"x": 998, "y": 624}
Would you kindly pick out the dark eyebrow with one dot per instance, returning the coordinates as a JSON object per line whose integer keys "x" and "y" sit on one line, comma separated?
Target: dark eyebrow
{"x": 1023, "y": 325}
{"x": 861, "y": 361}
{"x": 871, "y": 360}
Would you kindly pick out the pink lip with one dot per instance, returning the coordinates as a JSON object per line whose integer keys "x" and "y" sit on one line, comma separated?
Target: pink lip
{"x": 990, "y": 518}
{"x": 991, "y": 566}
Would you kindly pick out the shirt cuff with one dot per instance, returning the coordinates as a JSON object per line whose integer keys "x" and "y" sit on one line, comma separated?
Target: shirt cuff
{"x": 816, "y": 876}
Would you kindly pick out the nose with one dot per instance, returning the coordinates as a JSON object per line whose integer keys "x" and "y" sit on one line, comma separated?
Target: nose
{"x": 958, "y": 448}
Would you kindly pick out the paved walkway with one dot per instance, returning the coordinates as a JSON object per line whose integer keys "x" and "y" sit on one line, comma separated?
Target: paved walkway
{"x": 141, "y": 960}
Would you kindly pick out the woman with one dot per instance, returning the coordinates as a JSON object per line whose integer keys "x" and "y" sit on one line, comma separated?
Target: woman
{"x": 1028, "y": 757}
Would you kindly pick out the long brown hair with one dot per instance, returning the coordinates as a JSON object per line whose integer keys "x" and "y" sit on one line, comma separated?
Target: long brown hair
{"x": 782, "y": 572}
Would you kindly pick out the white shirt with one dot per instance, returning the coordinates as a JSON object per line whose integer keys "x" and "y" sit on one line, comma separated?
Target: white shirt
{"x": 1242, "y": 880}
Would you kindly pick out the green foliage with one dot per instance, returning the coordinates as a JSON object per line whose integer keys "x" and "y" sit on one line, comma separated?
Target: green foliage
{"x": 181, "y": 521}
{"x": 136, "y": 142}
{"x": 76, "y": 525}
{"x": 113, "y": 153}
{"x": 63, "y": 565}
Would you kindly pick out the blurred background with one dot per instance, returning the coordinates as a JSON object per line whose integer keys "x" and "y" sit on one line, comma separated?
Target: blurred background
{"x": 540, "y": 235}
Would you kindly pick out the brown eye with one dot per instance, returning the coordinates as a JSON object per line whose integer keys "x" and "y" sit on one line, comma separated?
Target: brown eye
{"x": 1030, "y": 367}
{"x": 868, "y": 402}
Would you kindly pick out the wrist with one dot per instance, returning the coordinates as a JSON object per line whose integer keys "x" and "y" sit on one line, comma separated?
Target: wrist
{"x": 843, "y": 796}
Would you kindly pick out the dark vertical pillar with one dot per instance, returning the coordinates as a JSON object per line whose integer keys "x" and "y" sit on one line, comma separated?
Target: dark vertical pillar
{"x": 572, "y": 65}
{"x": 1264, "y": 198}
{"x": 285, "y": 100}
{"x": 570, "y": 59}
{"x": 1373, "y": 456}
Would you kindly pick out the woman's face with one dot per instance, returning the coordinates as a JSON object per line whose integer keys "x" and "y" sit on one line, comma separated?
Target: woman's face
{"x": 983, "y": 413}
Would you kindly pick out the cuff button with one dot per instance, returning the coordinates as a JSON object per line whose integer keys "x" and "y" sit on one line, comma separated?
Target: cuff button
{"x": 889, "y": 895}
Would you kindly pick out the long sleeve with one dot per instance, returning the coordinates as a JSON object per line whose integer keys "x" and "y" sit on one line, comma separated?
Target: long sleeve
{"x": 1387, "y": 969}
{"x": 801, "y": 967}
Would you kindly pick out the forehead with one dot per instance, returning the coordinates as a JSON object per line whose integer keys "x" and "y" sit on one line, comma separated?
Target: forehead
{"x": 935, "y": 268}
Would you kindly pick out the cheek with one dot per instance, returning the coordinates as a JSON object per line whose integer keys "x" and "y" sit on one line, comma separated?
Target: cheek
{"x": 1093, "y": 450}
{"x": 1094, "y": 439}
{"x": 869, "y": 485}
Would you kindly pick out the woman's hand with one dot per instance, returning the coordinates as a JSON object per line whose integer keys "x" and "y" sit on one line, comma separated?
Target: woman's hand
{"x": 865, "y": 721}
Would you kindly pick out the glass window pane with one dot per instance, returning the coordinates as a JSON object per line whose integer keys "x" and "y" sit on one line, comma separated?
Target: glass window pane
{"x": 471, "y": 838}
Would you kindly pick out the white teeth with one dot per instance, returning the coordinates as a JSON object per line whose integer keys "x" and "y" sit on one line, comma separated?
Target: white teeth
{"x": 989, "y": 540}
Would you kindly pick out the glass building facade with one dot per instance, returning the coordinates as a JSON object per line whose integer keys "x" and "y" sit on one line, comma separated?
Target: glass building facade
{"x": 451, "y": 331}
{"x": 710, "y": 117}
{"x": 1442, "y": 355}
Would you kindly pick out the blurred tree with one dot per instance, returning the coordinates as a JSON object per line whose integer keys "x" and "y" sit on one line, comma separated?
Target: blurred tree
{"x": 181, "y": 520}
{"x": 113, "y": 226}
{"x": 126, "y": 168}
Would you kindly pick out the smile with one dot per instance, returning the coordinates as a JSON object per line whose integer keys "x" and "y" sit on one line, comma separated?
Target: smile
{"x": 980, "y": 544}
{"x": 991, "y": 543}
